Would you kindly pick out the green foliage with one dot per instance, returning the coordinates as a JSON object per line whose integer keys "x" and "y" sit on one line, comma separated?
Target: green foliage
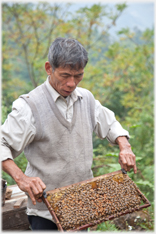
{"x": 4, "y": 111}
{"x": 107, "y": 227}
{"x": 21, "y": 161}
{"x": 8, "y": 178}
{"x": 28, "y": 30}
{"x": 147, "y": 224}
{"x": 145, "y": 183}
{"x": 119, "y": 74}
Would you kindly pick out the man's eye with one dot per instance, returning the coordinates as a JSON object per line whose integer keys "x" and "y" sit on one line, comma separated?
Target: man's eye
{"x": 79, "y": 76}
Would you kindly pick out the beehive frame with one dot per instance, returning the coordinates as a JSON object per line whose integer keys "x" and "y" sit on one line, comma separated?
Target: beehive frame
{"x": 107, "y": 197}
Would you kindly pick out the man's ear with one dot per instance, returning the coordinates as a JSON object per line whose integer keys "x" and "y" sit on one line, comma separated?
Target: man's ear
{"x": 48, "y": 68}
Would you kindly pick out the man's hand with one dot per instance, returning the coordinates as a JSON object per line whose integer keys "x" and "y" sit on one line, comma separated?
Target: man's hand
{"x": 126, "y": 156}
{"x": 34, "y": 186}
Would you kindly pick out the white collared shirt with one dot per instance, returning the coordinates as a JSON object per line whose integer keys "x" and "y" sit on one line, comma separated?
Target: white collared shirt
{"x": 19, "y": 129}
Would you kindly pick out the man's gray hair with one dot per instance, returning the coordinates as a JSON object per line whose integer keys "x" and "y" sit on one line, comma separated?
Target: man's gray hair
{"x": 64, "y": 52}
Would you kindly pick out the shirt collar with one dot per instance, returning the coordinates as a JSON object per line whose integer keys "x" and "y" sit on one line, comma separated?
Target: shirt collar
{"x": 55, "y": 95}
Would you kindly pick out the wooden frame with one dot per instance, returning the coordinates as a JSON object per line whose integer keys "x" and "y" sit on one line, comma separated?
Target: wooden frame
{"x": 117, "y": 175}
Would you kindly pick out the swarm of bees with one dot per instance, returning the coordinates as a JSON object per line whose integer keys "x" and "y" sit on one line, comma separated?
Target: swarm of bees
{"x": 85, "y": 203}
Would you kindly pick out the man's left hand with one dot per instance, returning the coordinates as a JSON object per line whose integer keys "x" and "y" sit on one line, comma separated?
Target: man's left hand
{"x": 126, "y": 156}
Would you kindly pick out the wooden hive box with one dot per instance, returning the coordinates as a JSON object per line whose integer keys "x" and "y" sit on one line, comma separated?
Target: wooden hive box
{"x": 93, "y": 201}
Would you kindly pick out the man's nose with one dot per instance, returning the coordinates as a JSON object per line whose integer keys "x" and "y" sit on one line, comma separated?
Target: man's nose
{"x": 71, "y": 82}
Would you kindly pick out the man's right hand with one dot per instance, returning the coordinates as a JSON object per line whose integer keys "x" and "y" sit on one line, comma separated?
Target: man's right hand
{"x": 34, "y": 186}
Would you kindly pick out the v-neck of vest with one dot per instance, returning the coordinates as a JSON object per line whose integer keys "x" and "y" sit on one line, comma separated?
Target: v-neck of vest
{"x": 60, "y": 117}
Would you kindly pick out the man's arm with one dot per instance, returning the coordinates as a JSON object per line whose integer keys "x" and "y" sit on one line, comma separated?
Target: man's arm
{"x": 16, "y": 133}
{"x": 32, "y": 185}
{"x": 108, "y": 127}
{"x": 126, "y": 156}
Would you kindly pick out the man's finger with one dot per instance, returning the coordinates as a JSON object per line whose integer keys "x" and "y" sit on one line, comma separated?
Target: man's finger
{"x": 129, "y": 162}
{"x": 123, "y": 161}
{"x": 39, "y": 187}
{"x": 133, "y": 159}
{"x": 39, "y": 199}
{"x": 135, "y": 168}
{"x": 42, "y": 184}
{"x": 123, "y": 166}
{"x": 34, "y": 187}
{"x": 31, "y": 195}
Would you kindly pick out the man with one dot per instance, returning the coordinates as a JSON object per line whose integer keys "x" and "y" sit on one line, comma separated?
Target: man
{"x": 53, "y": 124}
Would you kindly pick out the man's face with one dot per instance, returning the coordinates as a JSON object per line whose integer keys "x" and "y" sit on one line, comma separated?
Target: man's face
{"x": 65, "y": 80}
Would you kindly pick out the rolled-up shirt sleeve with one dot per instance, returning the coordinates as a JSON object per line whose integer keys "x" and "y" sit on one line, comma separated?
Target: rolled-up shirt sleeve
{"x": 106, "y": 124}
{"x": 17, "y": 131}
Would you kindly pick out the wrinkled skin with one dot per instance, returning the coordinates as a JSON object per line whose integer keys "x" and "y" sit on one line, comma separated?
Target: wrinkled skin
{"x": 64, "y": 80}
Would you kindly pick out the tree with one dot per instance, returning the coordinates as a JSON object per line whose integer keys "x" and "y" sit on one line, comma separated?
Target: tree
{"x": 30, "y": 29}
{"x": 119, "y": 73}
{"x": 127, "y": 89}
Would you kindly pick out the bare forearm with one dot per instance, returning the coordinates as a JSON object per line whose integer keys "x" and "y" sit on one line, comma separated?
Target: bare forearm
{"x": 126, "y": 156}
{"x": 34, "y": 186}
{"x": 123, "y": 142}
{"x": 10, "y": 167}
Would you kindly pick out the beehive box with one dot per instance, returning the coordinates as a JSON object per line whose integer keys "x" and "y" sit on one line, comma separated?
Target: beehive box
{"x": 96, "y": 200}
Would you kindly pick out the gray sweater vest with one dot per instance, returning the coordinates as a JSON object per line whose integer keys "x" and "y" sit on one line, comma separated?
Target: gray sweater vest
{"x": 61, "y": 152}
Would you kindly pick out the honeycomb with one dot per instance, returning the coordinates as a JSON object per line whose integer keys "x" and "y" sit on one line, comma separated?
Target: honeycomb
{"x": 96, "y": 199}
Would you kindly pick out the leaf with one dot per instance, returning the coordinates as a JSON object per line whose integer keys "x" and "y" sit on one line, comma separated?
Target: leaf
{"x": 146, "y": 183}
{"x": 113, "y": 155}
{"x": 132, "y": 136}
{"x": 135, "y": 126}
{"x": 115, "y": 166}
{"x": 121, "y": 7}
{"x": 138, "y": 158}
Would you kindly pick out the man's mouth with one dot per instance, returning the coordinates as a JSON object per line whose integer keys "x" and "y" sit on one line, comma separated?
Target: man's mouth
{"x": 67, "y": 91}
